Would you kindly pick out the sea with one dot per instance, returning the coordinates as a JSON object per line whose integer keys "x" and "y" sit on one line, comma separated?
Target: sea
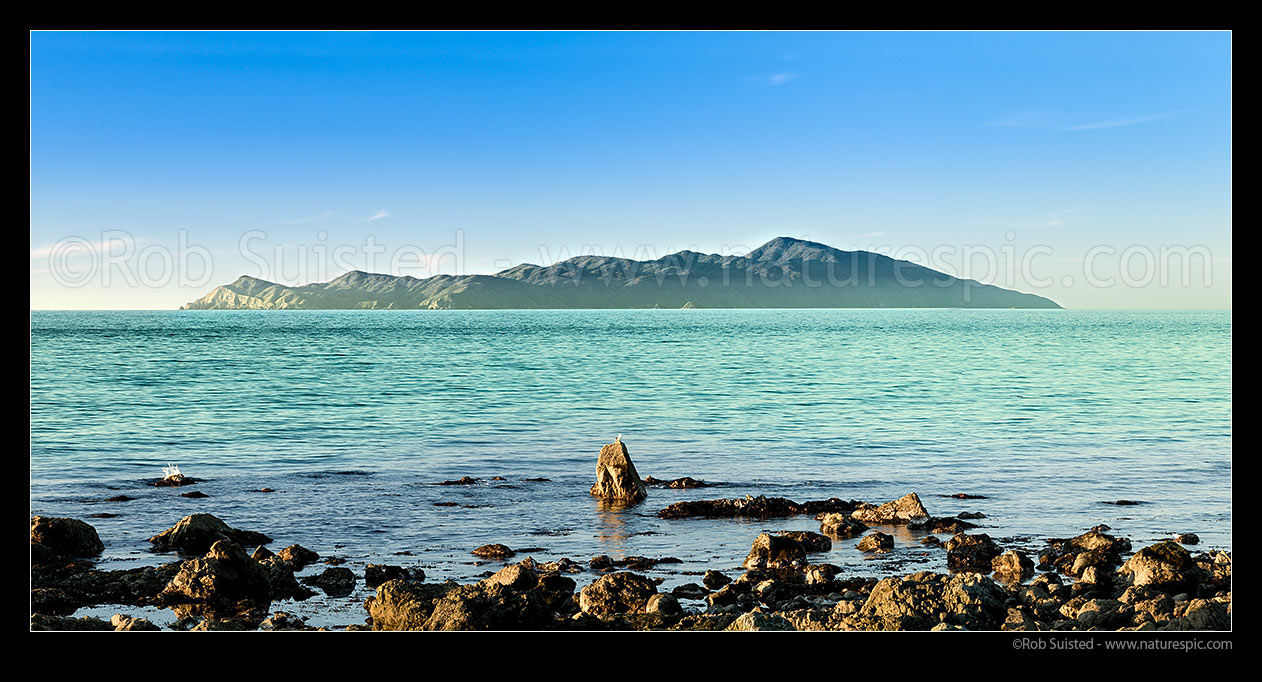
{"x": 354, "y": 418}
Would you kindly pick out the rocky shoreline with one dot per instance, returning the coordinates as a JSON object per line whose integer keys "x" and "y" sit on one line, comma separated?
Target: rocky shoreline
{"x": 226, "y": 578}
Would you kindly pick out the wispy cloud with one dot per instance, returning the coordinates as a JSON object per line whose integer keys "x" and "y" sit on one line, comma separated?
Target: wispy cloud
{"x": 782, "y": 78}
{"x": 1066, "y": 122}
{"x": 383, "y": 213}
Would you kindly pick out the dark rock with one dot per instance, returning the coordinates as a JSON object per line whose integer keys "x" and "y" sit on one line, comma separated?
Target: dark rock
{"x": 103, "y": 515}
{"x": 690, "y": 591}
{"x": 66, "y": 537}
{"x": 125, "y": 623}
{"x": 970, "y": 516}
{"x": 280, "y": 577}
{"x": 283, "y": 620}
{"x": 335, "y": 582}
{"x": 761, "y": 507}
{"x": 1187, "y": 539}
{"x": 965, "y": 496}
{"x": 663, "y": 603}
{"x": 194, "y": 494}
{"x": 923, "y": 600}
{"x": 119, "y": 498}
{"x": 45, "y": 623}
{"x": 937, "y": 524}
{"x": 404, "y": 605}
{"x": 376, "y": 574}
{"x": 488, "y": 606}
{"x": 616, "y": 477}
{"x": 896, "y": 512}
{"x": 876, "y": 542}
{"x": 195, "y": 534}
{"x": 465, "y": 480}
{"x": 714, "y": 580}
{"x": 775, "y": 551}
{"x": 821, "y": 574}
{"x": 602, "y": 562}
{"x": 175, "y": 481}
{"x": 616, "y": 593}
{"x": 685, "y": 483}
{"x": 760, "y": 622}
{"x": 263, "y": 490}
{"x": 971, "y": 552}
{"x": 811, "y": 542}
{"x": 495, "y": 551}
{"x": 841, "y": 525}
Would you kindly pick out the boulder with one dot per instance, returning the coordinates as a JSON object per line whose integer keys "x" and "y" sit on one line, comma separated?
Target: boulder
{"x": 489, "y": 606}
{"x": 223, "y": 578}
{"x": 194, "y": 534}
{"x": 971, "y": 552}
{"x": 1187, "y": 539}
{"x": 1166, "y": 566}
{"x": 616, "y": 477}
{"x": 298, "y": 556}
{"x": 897, "y": 512}
{"x": 1012, "y": 565}
{"x": 616, "y": 593}
{"x": 690, "y": 591}
{"x": 493, "y": 551}
{"x": 922, "y": 600}
{"x": 821, "y": 574}
{"x": 665, "y": 604}
{"x": 876, "y": 542}
{"x": 775, "y": 551}
{"x": 841, "y": 525}
{"x": 280, "y": 577}
{"x": 714, "y": 580}
{"x": 404, "y": 605}
{"x": 66, "y": 537}
{"x": 1200, "y": 614}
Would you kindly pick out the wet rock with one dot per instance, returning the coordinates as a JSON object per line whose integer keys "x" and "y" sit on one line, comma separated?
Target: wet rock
{"x": 897, "y": 512}
{"x": 335, "y": 582}
{"x": 614, "y": 593}
{"x": 404, "y": 605}
{"x": 938, "y": 524}
{"x": 120, "y": 498}
{"x": 298, "y": 556}
{"x": 965, "y": 496}
{"x": 488, "y": 606}
{"x": 125, "y": 623}
{"x": 876, "y": 542}
{"x": 931, "y": 541}
{"x": 685, "y": 483}
{"x": 466, "y": 480}
{"x": 194, "y": 494}
{"x": 517, "y": 576}
{"x": 760, "y": 622}
{"x": 811, "y": 542}
{"x": 775, "y": 551}
{"x": 221, "y": 579}
{"x": 1012, "y": 565}
{"x": 194, "y": 534}
{"x": 281, "y": 580}
{"x": 665, "y": 604}
{"x": 761, "y": 507}
{"x": 1103, "y": 614}
{"x": 1125, "y": 503}
{"x": 971, "y": 552}
{"x": 495, "y": 551}
{"x": 215, "y": 624}
{"x": 714, "y": 580}
{"x": 616, "y": 477}
{"x": 65, "y": 537}
{"x": 63, "y": 593}
{"x": 601, "y": 563}
{"x": 556, "y": 590}
{"x": 376, "y": 574}
{"x": 1075, "y": 555}
{"x": 175, "y": 481}
{"x": 841, "y": 525}
{"x": 970, "y": 516}
{"x": 690, "y": 591}
{"x": 562, "y": 565}
{"x": 1187, "y": 539}
{"x": 260, "y": 553}
{"x": 103, "y": 515}
{"x": 1165, "y": 566}
{"x": 45, "y": 623}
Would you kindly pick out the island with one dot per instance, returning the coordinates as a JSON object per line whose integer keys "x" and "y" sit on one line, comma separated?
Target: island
{"x": 783, "y": 273}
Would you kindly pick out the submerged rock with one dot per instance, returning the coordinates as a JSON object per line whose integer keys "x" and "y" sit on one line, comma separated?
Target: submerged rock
{"x": 66, "y": 537}
{"x": 685, "y": 483}
{"x": 376, "y": 574}
{"x": 761, "y": 507}
{"x": 616, "y": 477}
{"x": 194, "y": 534}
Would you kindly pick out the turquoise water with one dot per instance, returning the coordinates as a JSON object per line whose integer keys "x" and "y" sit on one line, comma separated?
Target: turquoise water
{"x": 352, "y": 415}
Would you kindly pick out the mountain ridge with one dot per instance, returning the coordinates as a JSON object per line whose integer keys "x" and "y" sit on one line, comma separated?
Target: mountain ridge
{"x": 783, "y": 273}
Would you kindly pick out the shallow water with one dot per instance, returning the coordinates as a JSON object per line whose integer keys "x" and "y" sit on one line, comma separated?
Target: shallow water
{"x": 353, "y": 416}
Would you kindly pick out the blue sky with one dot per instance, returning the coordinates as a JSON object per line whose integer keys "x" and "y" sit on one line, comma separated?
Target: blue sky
{"x": 1066, "y": 149}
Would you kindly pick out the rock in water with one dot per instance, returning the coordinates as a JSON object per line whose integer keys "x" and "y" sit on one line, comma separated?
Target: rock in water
{"x": 67, "y": 537}
{"x": 616, "y": 477}
{"x": 196, "y": 533}
{"x": 898, "y": 512}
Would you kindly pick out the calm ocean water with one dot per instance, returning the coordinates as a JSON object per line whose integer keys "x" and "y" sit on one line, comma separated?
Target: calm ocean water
{"x": 352, "y": 416}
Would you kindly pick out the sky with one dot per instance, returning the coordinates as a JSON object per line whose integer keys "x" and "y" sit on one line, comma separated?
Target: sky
{"x": 1090, "y": 167}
